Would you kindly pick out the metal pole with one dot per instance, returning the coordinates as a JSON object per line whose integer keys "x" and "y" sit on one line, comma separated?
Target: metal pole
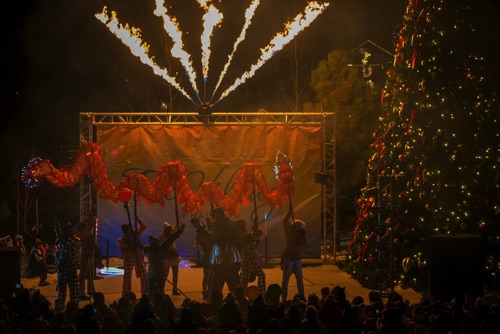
{"x": 176, "y": 208}
{"x": 323, "y": 193}
{"x": 335, "y": 188}
{"x": 107, "y": 254}
{"x": 134, "y": 241}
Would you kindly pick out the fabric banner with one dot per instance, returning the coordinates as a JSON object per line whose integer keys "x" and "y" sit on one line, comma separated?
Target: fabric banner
{"x": 212, "y": 152}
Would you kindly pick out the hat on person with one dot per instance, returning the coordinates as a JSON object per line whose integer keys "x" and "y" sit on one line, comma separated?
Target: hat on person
{"x": 18, "y": 237}
{"x": 37, "y": 241}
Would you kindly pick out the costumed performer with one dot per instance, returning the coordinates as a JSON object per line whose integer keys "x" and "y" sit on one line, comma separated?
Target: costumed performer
{"x": 205, "y": 242}
{"x": 130, "y": 248}
{"x": 226, "y": 256}
{"x": 171, "y": 257}
{"x": 67, "y": 264}
{"x": 85, "y": 231}
{"x": 155, "y": 253}
{"x": 250, "y": 267}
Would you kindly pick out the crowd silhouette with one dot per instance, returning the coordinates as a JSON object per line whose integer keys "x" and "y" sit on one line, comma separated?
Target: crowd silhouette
{"x": 248, "y": 311}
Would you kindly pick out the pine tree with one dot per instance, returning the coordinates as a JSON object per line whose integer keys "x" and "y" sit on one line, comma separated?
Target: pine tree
{"x": 438, "y": 141}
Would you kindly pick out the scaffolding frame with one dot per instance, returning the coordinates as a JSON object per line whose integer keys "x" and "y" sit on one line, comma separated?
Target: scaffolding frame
{"x": 90, "y": 121}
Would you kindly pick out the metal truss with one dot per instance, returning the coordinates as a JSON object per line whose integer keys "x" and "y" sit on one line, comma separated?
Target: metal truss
{"x": 90, "y": 121}
{"x": 193, "y": 118}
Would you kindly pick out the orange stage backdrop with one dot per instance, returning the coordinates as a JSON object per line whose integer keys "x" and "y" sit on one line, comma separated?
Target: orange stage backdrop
{"x": 212, "y": 153}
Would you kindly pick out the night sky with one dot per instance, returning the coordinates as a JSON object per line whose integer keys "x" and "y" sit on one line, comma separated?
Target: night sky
{"x": 58, "y": 60}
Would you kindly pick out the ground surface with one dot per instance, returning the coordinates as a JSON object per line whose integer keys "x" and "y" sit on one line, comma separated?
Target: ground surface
{"x": 316, "y": 276}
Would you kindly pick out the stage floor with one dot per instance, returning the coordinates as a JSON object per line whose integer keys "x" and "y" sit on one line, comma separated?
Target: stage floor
{"x": 315, "y": 277}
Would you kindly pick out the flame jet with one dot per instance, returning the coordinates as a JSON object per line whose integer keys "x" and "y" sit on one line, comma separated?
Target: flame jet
{"x": 172, "y": 29}
{"x": 131, "y": 37}
{"x": 211, "y": 19}
{"x": 249, "y": 13}
{"x": 299, "y": 23}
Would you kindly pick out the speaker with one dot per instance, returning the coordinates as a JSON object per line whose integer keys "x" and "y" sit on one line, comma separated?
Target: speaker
{"x": 457, "y": 265}
{"x": 10, "y": 273}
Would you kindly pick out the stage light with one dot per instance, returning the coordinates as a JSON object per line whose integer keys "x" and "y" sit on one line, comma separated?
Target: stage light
{"x": 110, "y": 271}
{"x": 205, "y": 109}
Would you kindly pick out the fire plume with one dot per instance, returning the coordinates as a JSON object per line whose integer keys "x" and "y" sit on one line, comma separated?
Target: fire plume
{"x": 131, "y": 37}
{"x": 211, "y": 19}
{"x": 299, "y": 23}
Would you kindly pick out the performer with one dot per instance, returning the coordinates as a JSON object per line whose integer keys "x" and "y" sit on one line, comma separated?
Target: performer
{"x": 130, "y": 247}
{"x": 250, "y": 267}
{"x": 155, "y": 253}
{"x": 36, "y": 263}
{"x": 205, "y": 242}
{"x": 85, "y": 231}
{"x": 172, "y": 257}
{"x": 226, "y": 256}
{"x": 291, "y": 260}
{"x": 67, "y": 264}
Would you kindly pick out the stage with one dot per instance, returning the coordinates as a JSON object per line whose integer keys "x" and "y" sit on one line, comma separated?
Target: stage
{"x": 316, "y": 276}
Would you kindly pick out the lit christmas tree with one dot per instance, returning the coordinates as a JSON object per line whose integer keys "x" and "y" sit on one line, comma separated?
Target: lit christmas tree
{"x": 437, "y": 142}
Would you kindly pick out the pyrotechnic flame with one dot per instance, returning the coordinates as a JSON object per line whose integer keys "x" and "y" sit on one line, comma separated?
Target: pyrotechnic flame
{"x": 172, "y": 29}
{"x": 300, "y": 22}
{"x": 249, "y": 13}
{"x": 211, "y": 19}
{"x": 131, "y": 37}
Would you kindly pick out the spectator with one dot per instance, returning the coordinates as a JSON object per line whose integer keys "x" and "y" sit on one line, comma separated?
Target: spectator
{"x": 392, "y": 321}
{"x": 331, "y": 314}
{"x": 88, "y": 322}
{"x": 241, "y": 299}
{"x": 141, "y": 312}
{"x": 229, "y": 314}
{"x": 186, "y": 324}
{"x": 99, "y": 305}
{"x": 292, "y": 319}
{"x": 257, "y": 315}
{"x": 311, "y": 323}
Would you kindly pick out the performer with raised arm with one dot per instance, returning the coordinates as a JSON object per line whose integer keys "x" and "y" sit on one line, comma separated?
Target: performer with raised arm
{"x": 131, "y": 250}
{"x": 155, "y": 252}
{"x": 291, "y": 260}
{"x": 67, "y": 264}
{"x": 171, "y": 258}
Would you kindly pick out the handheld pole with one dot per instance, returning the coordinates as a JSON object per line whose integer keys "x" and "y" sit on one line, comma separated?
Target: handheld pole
{"x": 256, "y": 216}
{"x": 176, "y": 209}
{"x": 134, "y": 236}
